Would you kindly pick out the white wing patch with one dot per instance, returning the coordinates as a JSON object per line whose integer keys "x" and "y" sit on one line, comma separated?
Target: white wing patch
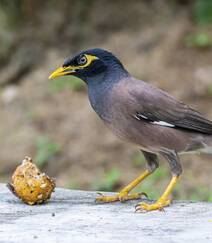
{"x": 162, "y": 123}
{"x": 139, "y": 117}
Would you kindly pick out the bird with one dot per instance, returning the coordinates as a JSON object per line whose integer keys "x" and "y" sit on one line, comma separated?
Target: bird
{"x": 142, "y": 115}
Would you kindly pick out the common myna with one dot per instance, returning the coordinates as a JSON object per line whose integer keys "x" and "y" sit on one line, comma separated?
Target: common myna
{"x": 141, "y": 114}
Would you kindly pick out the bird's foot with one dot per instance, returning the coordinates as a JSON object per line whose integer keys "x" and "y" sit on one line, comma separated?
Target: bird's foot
{"x": 121, "y": 196}
{"x": 159, "y": 205}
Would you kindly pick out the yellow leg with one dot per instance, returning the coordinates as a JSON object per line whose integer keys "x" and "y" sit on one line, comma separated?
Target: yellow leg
{"x": 163, "y": 201}
{"x": 124, "y": 195}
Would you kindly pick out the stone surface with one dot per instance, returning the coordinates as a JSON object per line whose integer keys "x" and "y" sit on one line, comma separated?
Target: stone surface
{"x": 73, "y": 216}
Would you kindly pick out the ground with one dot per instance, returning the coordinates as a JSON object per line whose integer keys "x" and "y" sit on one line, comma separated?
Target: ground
{"x": 73, "y": 215}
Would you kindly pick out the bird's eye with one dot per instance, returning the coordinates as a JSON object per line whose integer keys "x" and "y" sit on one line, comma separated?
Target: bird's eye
{"x": 82, "y": 60}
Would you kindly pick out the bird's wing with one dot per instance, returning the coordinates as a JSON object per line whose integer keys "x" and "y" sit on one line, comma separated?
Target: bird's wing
{"x": 158, "y": 107}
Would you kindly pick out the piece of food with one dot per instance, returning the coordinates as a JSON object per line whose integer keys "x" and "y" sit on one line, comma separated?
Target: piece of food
{"x": 30, "y": 184}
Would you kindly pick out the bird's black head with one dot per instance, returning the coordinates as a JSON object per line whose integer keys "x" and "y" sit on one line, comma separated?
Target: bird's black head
{"x": 90, "y": 64}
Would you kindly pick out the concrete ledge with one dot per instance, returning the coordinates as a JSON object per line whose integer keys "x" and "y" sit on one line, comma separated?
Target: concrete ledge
{"x": 73, "y": 216}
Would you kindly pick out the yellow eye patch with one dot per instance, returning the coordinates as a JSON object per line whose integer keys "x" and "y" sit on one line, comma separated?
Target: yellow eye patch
{"x": 90, "y": 59}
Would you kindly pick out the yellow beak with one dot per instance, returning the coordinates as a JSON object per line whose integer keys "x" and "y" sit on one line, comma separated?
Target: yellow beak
{"x": 62, "y": 71}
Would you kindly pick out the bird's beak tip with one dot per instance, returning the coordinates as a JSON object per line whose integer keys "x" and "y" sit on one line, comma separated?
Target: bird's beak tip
{"x": 52, "y": 76}
{"x": 57, "y": 73}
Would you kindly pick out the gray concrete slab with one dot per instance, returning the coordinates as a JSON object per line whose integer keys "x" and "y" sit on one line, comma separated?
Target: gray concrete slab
{"x": 73, "y": 216}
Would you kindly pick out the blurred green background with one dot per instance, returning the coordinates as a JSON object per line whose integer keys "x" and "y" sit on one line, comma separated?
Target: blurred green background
{"x": 166, "y": 43}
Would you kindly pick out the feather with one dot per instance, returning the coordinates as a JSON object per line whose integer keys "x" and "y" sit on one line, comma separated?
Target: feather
{"x": 158, "y": 107}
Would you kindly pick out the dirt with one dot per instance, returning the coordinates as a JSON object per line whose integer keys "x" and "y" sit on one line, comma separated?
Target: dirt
{"x": 150, "y": 48}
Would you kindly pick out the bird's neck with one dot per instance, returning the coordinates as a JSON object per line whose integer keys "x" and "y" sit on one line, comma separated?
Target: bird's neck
{"x": 99, "y": 90}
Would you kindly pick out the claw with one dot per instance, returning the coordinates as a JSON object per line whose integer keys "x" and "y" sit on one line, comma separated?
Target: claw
{"x": 159, "y": 205}
{"x": 162, "y": 209}
{"x": 144, "y": 194}
{"x": 138, "y": 209}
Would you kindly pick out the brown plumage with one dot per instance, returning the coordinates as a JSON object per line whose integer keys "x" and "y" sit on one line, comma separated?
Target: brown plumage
{"x": 141, "y": 114}
{"x": 137, "y": 107}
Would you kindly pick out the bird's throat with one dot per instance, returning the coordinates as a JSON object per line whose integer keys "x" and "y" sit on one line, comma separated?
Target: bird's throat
{"x": 99, "y": 100}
